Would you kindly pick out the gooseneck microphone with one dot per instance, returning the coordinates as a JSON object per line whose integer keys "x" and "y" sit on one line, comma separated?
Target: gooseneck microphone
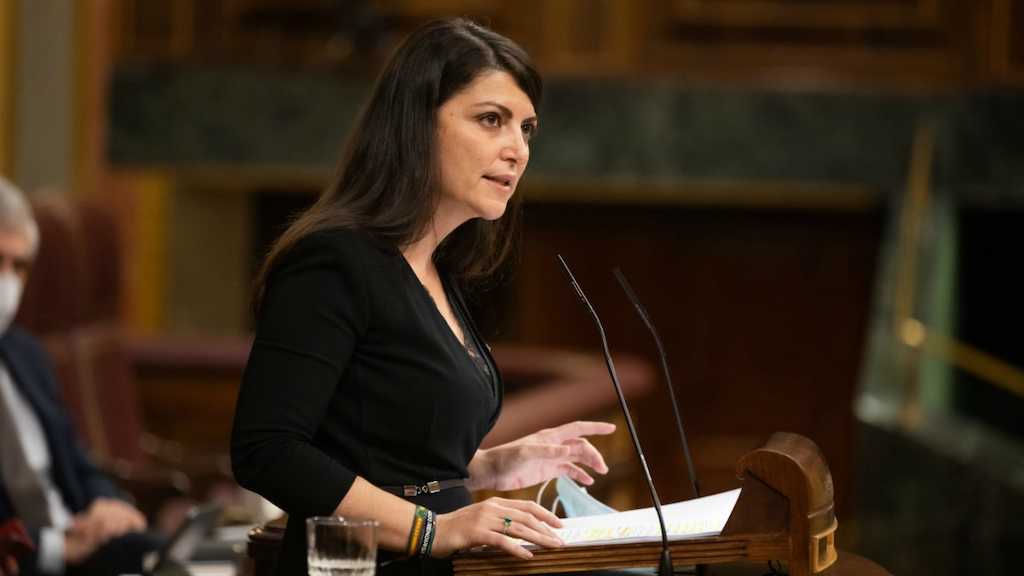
{"x": 664, "y": 369}
{"x": 665, "y": 566}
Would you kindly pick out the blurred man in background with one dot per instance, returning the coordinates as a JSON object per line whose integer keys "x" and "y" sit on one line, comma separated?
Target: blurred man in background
{"x": 73, "y": 513}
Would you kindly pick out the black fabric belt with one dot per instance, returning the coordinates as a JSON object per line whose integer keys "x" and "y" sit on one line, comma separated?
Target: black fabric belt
{"x": 432, "y": 487}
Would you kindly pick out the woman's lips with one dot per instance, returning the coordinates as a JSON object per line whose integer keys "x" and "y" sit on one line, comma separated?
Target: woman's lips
{"x": 502, "y": 182}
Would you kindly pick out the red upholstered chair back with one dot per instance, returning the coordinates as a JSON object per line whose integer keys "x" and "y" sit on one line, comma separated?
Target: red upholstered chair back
{"x": 72, "y": 301}
{"x": 96, "y": 380}
{"x": 77, "y": 276}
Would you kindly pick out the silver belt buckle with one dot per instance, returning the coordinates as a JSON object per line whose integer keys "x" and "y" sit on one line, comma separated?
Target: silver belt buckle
{"x": 432, "y": 487}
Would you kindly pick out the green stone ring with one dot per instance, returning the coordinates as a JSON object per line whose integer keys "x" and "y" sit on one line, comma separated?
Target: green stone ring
{"x": 508, "y": 524}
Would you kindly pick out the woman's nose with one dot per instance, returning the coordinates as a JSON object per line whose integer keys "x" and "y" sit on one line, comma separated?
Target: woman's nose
{"x": 516, "y": 149}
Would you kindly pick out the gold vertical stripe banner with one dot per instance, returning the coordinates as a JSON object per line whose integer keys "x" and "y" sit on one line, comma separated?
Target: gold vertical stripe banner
{"x": 92, "y": 66}
{"x": 142, "y": 202}
{"x": 8, "y": 39}
{"x": 152, "y": 191}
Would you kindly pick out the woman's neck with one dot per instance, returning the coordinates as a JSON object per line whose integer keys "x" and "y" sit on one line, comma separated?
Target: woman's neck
{"x": 420, "y": 253}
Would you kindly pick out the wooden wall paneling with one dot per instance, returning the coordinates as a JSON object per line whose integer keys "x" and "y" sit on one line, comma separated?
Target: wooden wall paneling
{"x": 737, "y": 193}
{"x": 794, "y": 14}
{"x": 195, "y": 410}
{"x": 762, "y": 312}
{"x": 1016, "y": 40}
{"x": 155, "y": 30}
{"x": 218, "y": 35}
{"x": 428, "y": 9}
{"x": 585, "y": 36}
{"x": 906, "y": 42}
{"x": 225, "y": 31}
{"x": 277, "y": 6}
{"x": 407, "y": 15}
{"x": 93, "y": 64}
{"x": 273, "y": 32}
{"x": 912, "y": 43}
{"x": 1007, "y": 41}
{"x": 570, "y": 36}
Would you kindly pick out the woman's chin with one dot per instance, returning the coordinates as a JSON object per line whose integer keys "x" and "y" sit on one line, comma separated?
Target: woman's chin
{"x": 494, "y": 211}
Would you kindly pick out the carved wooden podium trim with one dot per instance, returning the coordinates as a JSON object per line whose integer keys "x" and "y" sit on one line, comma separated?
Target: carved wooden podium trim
{"x": 784, "y": 512}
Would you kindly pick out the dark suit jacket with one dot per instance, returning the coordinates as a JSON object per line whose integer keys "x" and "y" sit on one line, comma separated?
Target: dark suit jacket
{"x": 75, "y": 476}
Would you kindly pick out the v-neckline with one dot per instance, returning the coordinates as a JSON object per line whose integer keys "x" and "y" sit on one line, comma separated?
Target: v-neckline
{"x": 425, "y": 292}
{"x": 487, "y": 371}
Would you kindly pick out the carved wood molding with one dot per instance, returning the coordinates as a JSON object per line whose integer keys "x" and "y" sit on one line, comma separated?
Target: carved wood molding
{"x": 835, "y": 14}
{"x": 1006, "y": 31}
{"x": 800, "y": 43}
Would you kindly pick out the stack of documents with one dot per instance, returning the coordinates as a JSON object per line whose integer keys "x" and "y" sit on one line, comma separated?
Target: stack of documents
{"x": 695, "y": 518}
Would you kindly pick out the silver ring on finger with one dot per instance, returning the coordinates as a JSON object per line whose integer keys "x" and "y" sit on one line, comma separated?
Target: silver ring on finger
{"x": 506, "y": 524}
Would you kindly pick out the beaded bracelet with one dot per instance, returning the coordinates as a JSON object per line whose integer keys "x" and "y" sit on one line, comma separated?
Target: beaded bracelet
{"x": 421, "y": 535}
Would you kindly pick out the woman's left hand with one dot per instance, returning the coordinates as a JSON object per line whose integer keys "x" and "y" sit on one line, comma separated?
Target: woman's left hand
{"x": 539, "y": 457}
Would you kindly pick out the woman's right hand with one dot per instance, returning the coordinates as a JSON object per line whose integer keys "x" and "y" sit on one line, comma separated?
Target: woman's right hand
{"x": 483, "y": 523}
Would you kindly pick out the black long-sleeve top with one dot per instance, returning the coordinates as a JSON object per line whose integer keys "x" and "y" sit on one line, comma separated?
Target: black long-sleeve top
{"x": 354, "y": 371}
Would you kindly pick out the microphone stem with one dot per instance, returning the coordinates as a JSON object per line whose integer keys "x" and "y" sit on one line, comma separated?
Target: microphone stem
{"x": 679, "y": 419}
{"x": 665, "y": 565}
{"x": 664, "y": 369}
{"x": 633, "y": 435}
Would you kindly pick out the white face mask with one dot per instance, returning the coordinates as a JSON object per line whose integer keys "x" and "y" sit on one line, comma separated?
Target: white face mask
{"x": 10, "y": 297}
{"x": 576, "y": 501}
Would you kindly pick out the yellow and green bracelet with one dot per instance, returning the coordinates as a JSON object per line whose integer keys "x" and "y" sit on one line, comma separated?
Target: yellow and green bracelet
{"x": 421, "y": 535}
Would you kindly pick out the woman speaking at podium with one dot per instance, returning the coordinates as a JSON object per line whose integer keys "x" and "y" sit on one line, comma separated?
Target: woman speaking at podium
{"x": 368, "y": 388}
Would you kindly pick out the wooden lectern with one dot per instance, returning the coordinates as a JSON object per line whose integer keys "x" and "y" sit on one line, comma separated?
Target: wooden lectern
{"x": 784, "y": 512}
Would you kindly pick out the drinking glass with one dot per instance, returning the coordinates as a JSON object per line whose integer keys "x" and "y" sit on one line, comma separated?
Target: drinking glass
{"x": 341, "y": 547}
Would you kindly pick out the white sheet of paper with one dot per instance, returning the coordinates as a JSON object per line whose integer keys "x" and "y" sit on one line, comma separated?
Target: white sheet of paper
{"x": 705, "y": 516}
{"x": 211, "y": 569}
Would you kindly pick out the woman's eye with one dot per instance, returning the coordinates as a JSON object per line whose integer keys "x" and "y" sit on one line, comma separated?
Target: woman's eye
{"x": 491, "y": 119}
{"x": 529, "y": 129}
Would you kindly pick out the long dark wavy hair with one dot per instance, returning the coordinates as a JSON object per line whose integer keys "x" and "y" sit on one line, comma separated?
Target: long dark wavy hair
{"x": 387, "y": 182}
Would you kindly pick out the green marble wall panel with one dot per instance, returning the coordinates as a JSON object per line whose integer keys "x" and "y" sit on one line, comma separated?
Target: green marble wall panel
{"x": 635, "y": 130}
